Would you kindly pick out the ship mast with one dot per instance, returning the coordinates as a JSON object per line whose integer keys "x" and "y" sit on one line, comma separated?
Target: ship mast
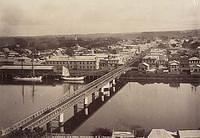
{"x": 33, "y": 71}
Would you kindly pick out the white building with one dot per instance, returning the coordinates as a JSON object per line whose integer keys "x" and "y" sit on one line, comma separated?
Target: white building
{"x": 75, "y": 62}
{"x": 194, "y": 60}
{"x": 195, "y": 69}
{"x": 143, "y": 67}
{"x": 174, "y": 67}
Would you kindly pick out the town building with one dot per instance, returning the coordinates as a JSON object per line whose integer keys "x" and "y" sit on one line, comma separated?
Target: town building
{"x": 189, "y": 133}
{"x": 151, "y": 60}
{"x": 143, "y": 67}
{"x": 174, "y": 67}
{"x": 12, "y": 54}
{"x": 123, "y": 134}
{"x": 194, "y": 60}
{"x": 161, "y": 133}
{"x": 27, "y": 70}
{"x": 5, "y": 61}
{"x": 157, "y": 57}
{"x": 22, "y": 60}
{"x": 108, "y": 63}
{"x": 2, "y": 55}
{"x": 157, "y": 52}
{"x": 75, "y": 62}
{"x": 184, "y": 64}
{"x": 195, "y": 69}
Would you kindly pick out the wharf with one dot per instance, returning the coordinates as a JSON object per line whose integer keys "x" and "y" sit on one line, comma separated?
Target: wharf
{"x": 157, "y": 77}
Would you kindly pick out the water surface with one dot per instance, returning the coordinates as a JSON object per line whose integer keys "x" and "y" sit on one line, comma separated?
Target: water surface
{"x": 158, "y": 105}
{"x": 18, "y": 101}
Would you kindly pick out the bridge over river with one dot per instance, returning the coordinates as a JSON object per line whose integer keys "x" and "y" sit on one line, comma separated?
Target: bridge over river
{"x": 81, "y": 98}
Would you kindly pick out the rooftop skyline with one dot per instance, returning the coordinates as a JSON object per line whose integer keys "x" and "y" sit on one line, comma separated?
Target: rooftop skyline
{"x": 49, "y": 17}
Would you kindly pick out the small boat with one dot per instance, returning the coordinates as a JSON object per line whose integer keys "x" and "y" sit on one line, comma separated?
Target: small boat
{"x": 73, "y": 78}
{"x": 28, "y": 78}
{"x": 32, "y": 77}
{"x": 66, "y": 76}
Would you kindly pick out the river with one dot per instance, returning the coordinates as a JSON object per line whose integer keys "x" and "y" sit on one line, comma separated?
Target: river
{"x": 155, "y": 105}
{"x": 18, "y": 101}
{"x": 169, "y": 106}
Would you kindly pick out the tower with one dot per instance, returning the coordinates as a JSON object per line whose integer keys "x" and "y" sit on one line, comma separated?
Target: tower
{"x": 76, "y": 40}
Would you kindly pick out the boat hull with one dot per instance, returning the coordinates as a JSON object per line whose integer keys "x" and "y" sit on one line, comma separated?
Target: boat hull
{"x": 73, "y": 78}
{"x": 28, "y": 78}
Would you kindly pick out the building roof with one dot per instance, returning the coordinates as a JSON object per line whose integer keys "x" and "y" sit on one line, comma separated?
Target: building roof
{"x": 6, "y": 60}
{"x": 122, "y": 134}
{"x": 174, "y": 61}
{"x": 22, "y": 58}
{"x": 160, "y": 133}
{"x": 151, "y": 57}
{"x": 196, "y": 65}
{"x": 174, "y": 64}
{"x": 74, "y": 58}
{"x": 194, "y": 58}
{"x": 26, "y": 67}
{"x": 145, "y": 64}
{"x": 189, "y": 133}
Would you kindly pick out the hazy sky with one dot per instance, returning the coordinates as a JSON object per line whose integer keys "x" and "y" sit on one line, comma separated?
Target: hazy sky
{"x": 43, "y": 17}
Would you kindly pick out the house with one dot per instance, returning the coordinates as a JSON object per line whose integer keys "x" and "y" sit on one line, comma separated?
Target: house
{"x": 75, "y": 62}
{"x": 157, "y": 52}
{"x": 2, "y": 55}
{"x": 184, "y": 64}
{"x": 198, "y": 49}
{"x": 13, "y": 54}
{"x": 143, "y": 67}
{"x": 155, "y": 60}
{"x": 189, "y": 133}
{"x": 174, "y": 67}
{"x": 151, "y": 60}
{"x": 26, "y": 70}
{"x": 122, "y": 134}
{"x": 194, "y": 60}
{"x": 107, "y": 63}
{"x": 161, "y": 133}
{"x": 4, "y": 61}
{"x": 162, "y": 60}
{"x": 195, "y": 69}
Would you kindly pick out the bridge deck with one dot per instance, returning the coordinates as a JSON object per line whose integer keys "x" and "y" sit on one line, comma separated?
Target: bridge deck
{"x": 50, "y": 112}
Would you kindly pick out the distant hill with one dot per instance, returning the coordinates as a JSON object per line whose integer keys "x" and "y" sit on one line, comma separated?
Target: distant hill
{"x": 51, "y": 41}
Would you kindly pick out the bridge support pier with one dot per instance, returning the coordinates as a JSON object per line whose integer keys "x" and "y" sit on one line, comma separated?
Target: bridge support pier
{"x": 61, "y": 122}
{"x": 101, "y": 94}
{"x": 86, "y": 103}
{"x": 105, "y": 91}
{"x": 113, "y": 85}
{"x": 102, "y": 97}
{"x": 83, "y": 105}
{"x": 57, "y": 122}
{"x": 113, "y": 89}
{"x": 49, "y": 127}
{"x": 78, "y": 107}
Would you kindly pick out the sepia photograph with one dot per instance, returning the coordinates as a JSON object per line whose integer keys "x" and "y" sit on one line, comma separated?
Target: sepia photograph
{"x": 99, "y": 68}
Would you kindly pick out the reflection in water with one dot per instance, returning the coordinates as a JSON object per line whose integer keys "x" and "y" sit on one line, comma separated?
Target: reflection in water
{"x": 174, "y": 84}
{"x": 148, "y": 106}
{"x": 23, "y": 93}
{"x": 17, "y": 100}
{"x": 33, "y": 92}
{"x": 66, "y": 87}
{"x": 69, "y": 89}
{"x": 194, "y": 87}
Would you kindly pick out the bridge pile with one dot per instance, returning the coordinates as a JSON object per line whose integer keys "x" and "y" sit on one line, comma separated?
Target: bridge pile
{"x": 53, "y": 110}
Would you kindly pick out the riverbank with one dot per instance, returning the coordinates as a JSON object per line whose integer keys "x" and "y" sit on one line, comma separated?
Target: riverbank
{"x": 160, "y": 77}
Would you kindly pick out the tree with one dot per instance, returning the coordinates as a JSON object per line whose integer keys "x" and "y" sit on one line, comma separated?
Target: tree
{"x": 69, "y": 51}
{"x": 101, "y": 132}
